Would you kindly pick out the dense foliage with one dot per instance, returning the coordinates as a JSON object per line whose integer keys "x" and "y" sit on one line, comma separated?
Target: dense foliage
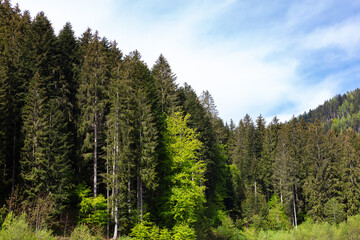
{"x": 94, "y": 143}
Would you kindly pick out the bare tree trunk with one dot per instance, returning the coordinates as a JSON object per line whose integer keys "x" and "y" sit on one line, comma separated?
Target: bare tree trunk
{"x": 138, "y": 188}
{"x": 14, "y": 162}
{"x": 116, "y": 215}
{"x": 95, "y": 155}
{"x": 255, "y": 190}
{"x": 294, "y": 204}
{"x": 129, "y": 190}
{"x": 141, "y": 201}
{"x": 107, "y": 199}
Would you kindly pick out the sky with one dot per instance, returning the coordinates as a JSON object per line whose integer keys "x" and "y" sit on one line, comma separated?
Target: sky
{"x": 274, "y": 58}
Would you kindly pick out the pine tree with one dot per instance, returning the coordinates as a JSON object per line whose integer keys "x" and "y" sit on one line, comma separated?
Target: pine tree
{"x": 66, "y": 56}
{"x": 91, "y": 102}
{"x": 4, "y": 88}
{"x": 34, "y": 161}
{"x": 317, "y": 160}
{"x": 350, "y": 177}
{"x": 14, "y": 31}
{"x": 166, "y": 87}
{"x": 146, "y": 173}
{"x": 118, "y": 132}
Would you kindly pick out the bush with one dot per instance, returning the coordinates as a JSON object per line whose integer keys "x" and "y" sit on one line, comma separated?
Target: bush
{"x": 15, "y": 228}
{"x": 227, "y": 230}
{"x": 148, "y": 230}
{"x": 182, "y": 231}
{"x": 82, "y": 232}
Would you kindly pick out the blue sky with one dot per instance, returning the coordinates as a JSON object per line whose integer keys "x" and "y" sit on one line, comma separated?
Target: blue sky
{"x": 275, "y": 58}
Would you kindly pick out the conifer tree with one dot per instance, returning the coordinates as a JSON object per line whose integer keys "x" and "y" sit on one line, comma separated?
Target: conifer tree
{"x": 34, "y": 162}
{"x": 145, "y": 133}
{"x": 14, "y": 31}
{"x": 350, "y": 177}
{"x": 166, "y": 87}
{"x": 118, "y": 132}
{"x": 315, "y": 186}
{"x": 91, "y": 102}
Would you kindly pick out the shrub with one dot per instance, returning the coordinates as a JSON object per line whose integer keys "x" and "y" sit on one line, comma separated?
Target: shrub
{"x": 15, "y": 228}
{"x": 227, "y": 230}
{"x": 183, "y": 231}
{"x": 82, "y": 232}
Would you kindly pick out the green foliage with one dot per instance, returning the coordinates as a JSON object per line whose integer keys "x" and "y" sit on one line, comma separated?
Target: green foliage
{"x": 228, "y": 230}
{"x": 148, "y": 230}
{"x": 183, "y": 231}
{"x": 277, "y": 218}
{"x": 187, "y": 194}
{"x": 17, "y": 227}
{"x": 349, "y": 229}
{"x": 334, "y": 211}
{"x": 92, "y": 209}
{"x": 83, "y": 232}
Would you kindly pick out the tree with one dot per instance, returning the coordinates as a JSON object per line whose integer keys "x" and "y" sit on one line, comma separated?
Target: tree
{"x": 14, "y": 32}
{"x": 277, "y": 218}
{"x": 187, "y": 189}
{"x": 334, "y": 211}
{"x": 34, "y": 162}
{"x": 317, "y": 160}
{"x": 350, "y": 177}
{"x": 91, "y": 102}
{"x": 166, "y": 87}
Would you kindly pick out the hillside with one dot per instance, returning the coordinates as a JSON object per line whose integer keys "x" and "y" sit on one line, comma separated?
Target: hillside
{"x": 340, "y": 112}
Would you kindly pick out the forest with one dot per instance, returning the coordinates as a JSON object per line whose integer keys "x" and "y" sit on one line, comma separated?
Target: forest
{"x": 95, "y": 144}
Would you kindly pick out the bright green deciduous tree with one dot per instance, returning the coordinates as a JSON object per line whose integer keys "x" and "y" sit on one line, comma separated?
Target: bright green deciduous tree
{"x": 187, "y": 178}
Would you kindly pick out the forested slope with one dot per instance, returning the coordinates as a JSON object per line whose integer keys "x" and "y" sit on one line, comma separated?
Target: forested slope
{"x": 92, "y": 138}
{"x": 338, "y": 113}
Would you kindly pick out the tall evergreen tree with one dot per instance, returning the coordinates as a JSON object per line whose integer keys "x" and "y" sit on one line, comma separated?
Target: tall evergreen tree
{"x": 91, "y": 102}
{"x": 14, "y": 32}
{"x": 34, "y": 162}
{"x": 315, "y": 186}
{"x": 166, "y": 87}
{"x": 350, "y": 177}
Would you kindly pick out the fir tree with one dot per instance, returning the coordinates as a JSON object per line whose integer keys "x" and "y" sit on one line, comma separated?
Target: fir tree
{"x": 91, "y": 103}
{"x": 34, "y": 162}
{"x": 166, "y": 87}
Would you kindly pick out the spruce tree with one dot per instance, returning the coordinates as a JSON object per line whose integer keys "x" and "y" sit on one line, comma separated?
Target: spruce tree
{"x": 317, "y": 160}
{"x": 14, "y": 32}
{"x": 350, "y": 177}
{"x": 34, "y": 161}
{"x": 166, "y": 87}
{"x": 93, "y": 78}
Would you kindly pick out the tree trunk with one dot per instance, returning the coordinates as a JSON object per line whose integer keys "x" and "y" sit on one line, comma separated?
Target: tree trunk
{"x": 107, "y": 200}
{"x": 138, "y": 188}
{"x": 95, "y": 155}
{"x": 255, "y": 190}
{"x": 14, "y": 162}
{"x": 116, "y": 216}
{"x": 141, "y": 201}
{"x": 294, "y": 204}
{"x": 129, "y": 191}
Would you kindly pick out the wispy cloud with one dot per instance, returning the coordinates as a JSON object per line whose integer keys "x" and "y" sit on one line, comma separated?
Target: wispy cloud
{"x": 344, "y": 35}
{"x": 270, "y": 58}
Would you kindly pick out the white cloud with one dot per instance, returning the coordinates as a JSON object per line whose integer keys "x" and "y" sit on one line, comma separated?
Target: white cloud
{"x": 241, "y": 77}
{"x": 80, "y": 13}
{"x": 344, "y": 35}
